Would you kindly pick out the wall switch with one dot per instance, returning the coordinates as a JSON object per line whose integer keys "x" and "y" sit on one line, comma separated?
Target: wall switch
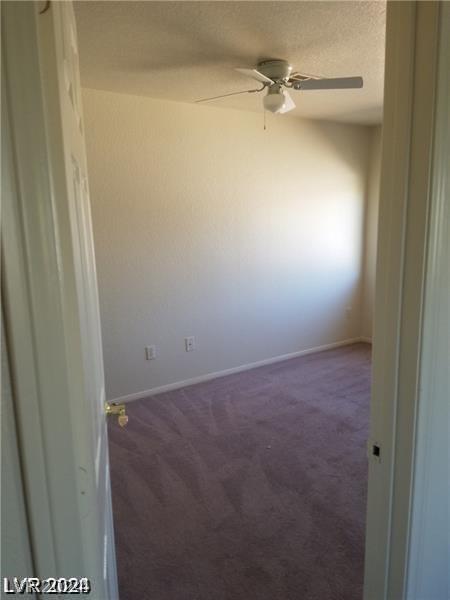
{"x": 150, "y": 352}
{"x": 189, "y": 343}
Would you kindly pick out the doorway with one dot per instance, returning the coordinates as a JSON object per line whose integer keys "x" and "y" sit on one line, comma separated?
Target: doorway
{"x": 36, "y": 459}
{"x": 215, "y": 293}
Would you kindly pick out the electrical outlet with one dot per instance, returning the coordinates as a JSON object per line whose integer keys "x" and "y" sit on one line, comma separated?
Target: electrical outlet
{"x": 189, "y": 343}
{"x": 150, "y": 352}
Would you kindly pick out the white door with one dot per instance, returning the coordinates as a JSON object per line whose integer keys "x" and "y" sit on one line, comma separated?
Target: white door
{"x": 50, "y": 244}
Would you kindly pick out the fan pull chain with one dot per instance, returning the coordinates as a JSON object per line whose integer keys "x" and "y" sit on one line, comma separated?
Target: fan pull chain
{"x": 264, "y": 120}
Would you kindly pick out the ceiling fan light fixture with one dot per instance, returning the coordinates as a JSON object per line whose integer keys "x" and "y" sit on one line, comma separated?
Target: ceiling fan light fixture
{"x": 276, "y": 75}
{"x": 275, "y": 100}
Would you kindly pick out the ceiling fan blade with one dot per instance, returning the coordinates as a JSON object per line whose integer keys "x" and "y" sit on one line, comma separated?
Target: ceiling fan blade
{"x": 289, "y": 105}
{"x": 337, "y": 83}
{"x": 254, "y": 74}
{"x": 226, "y": 95}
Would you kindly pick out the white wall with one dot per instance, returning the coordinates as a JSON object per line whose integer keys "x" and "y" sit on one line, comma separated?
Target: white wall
{"x": 207, "y": 225}
{"x": 428, "y": 574}
{"x": 371, "y": 231}
{"x": 429, "y": 559}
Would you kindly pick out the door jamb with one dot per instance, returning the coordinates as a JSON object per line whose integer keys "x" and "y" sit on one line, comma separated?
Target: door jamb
{"x": 410, "y": 85}
{"x": 400, "y": 275}
{"x": 42, "y": 355}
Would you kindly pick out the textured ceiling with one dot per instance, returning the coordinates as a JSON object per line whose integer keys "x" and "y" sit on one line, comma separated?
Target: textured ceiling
{"x": 188, "y": 50}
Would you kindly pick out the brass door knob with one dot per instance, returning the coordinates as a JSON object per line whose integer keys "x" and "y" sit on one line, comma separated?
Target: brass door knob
{"x": 119, "y": 410}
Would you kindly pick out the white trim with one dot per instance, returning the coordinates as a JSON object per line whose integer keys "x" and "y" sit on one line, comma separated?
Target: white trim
{"x": 25, "y": 183}
{"x": 367, "y": 340}
{"x": 428, "y": 575}
{"x": 41, "y": 310}
{"x": 169, "y": 387}
{"x": 410, "y": 84}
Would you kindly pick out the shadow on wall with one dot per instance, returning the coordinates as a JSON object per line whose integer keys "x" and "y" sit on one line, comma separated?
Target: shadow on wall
{"x": 207, "y": 225}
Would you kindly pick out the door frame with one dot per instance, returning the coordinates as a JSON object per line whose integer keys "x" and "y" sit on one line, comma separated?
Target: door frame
{"x": 43, "y": 345}
{"x": 428, "y": 574}
{"x": 29, "y": 239}
{"x": 411, "y": 76}
{"x": 33, "y": 298}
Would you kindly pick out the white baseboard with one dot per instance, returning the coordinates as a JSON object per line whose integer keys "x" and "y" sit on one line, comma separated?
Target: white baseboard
{"x": 368, "y": 340}
{"x": 209, "y": 376}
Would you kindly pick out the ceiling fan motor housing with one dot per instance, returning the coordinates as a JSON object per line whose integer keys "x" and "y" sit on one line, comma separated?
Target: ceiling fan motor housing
{"x": 277, "y": 70}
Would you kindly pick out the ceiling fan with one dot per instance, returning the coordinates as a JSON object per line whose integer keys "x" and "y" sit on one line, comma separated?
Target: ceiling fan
{"x": 277, "y": 75}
